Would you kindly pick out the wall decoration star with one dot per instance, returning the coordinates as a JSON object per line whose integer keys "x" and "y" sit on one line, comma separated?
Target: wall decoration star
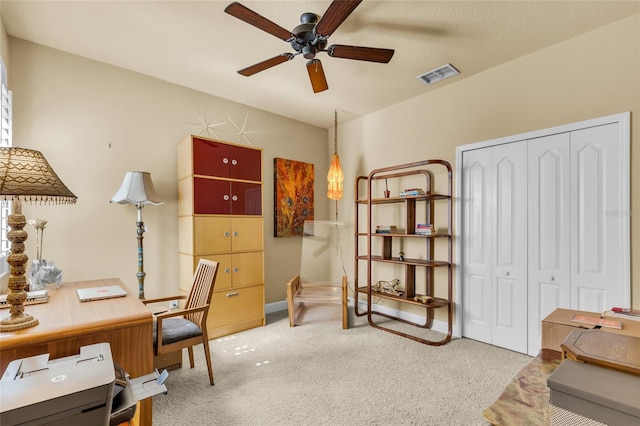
{"x": 207, "y": 126}
{"x": 242, "y": 132}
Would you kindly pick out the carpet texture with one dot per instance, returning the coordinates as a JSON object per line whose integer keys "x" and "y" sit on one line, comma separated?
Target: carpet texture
{"x": 319, "y": 374}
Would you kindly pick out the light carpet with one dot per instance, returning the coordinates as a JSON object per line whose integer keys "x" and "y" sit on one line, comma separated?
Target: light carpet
{"x": 319, "y": 374}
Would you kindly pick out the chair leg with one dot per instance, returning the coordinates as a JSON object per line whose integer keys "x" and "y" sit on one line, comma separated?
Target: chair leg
{"x": 207, "y": 355}
{"x": 190, "y": 349}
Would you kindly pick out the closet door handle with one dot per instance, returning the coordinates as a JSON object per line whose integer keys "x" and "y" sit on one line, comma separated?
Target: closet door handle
{"x": 506, "y": 273}
{"x": 551, "y": 278}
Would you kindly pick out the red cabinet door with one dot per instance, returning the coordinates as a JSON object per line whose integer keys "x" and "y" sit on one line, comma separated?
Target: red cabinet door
{"x": 215, "y": 196}
{"x": 246, "y": 198}
{"x": 210, "y": 158}
{"x": 218, "y": 159}
{"x": 245, "y": 163}
{"x": 211, "y": 196}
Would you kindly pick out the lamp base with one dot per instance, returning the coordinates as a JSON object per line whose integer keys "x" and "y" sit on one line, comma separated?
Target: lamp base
{"x": 17, "y": 260}
{"x": 18, "y": 323}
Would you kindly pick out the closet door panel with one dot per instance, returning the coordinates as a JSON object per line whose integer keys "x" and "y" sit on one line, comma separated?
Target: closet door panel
{"x": 477, "y": 200}
{"x": 548, "y": 231}
{"x": 596, "y": 218}
{"x": 509, "y": 269}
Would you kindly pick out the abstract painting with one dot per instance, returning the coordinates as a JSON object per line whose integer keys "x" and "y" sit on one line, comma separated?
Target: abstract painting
{"x": 292, "y": 196}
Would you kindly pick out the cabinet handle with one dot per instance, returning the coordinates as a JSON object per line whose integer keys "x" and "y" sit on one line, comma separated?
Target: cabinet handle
{"x": 226, "y": 234}
{"x": 234, "y": 162}
{"x": 225, "y": 160}
{"x": 226, "y": 197}
{"x": 235, "y": 269}
{"x": 235, "y": 234}
{"x": 506, "y": 273}
{"x": 232, "y": 294}
{"x": 234, "y": 198}
{"x": 227, "y": 270}
{"x": 551, "y": 278}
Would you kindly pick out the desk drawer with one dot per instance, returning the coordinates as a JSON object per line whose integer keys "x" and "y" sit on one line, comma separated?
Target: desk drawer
{"x": 235, "y": 309}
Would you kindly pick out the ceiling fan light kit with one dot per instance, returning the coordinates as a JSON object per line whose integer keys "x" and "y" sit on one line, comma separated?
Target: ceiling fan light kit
{"x": 308, "y": 39}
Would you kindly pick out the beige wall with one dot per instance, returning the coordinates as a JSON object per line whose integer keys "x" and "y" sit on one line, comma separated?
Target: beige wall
{"x": 593, "y": 75}
{"x": 94, "y": 122}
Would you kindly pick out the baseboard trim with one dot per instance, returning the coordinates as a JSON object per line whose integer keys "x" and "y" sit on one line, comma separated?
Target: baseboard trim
{"x": 270, "y": 308}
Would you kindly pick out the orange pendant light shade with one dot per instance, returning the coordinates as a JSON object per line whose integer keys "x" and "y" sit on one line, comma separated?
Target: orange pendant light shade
{"x": 335, "y": 177}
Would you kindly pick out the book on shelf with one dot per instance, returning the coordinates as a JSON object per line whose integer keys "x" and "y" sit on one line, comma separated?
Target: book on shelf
{"x": 386, "y": 229}
{"x": 33, "y": 297}
{"x": 412, "y": 192}
{"x": 425, "y": 229}
{"x": 602, "y": 322}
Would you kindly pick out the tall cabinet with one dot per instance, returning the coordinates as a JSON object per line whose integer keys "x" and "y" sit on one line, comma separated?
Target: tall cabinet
{"x": 404, "y": 264}
{"x": 220, "y": 218}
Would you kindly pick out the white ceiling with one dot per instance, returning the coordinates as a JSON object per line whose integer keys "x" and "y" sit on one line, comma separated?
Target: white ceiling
{"x": 195, "y": 44}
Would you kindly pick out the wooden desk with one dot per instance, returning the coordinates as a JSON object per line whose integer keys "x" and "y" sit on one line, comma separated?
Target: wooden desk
{"x": 602, "y": 348}
{"x": 66, "y": 324}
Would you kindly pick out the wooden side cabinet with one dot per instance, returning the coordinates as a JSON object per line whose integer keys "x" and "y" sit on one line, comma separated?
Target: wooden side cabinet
{"x": 220, "y": 218}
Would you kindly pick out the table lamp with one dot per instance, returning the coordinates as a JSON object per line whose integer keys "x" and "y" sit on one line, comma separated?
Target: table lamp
{"x": 137, "y": 189}
{"x": 26, "y": 176}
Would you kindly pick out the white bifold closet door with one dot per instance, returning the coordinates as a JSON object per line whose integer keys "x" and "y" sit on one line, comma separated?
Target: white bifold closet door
{"x": 574, "y": 231}
{"x": 549, "y": 236}
{"x": 495, "y": 197}
{"x": 542, "y": 228}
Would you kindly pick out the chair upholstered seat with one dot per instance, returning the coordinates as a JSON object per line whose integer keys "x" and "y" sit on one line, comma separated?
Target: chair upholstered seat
{"x": 175, "y": 330}
{"x": 187, "y": 326}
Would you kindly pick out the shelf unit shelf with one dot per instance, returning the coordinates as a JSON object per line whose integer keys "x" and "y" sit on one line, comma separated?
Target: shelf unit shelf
{"x": 419, "y": 263}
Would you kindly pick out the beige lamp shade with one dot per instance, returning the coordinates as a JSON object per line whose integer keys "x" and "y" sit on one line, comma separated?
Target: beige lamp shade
{"x": 137, "y": 188}
{"x": 27, "y": 176}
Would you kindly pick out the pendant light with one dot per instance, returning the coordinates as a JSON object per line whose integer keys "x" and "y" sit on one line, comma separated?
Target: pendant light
{"x": 335, "y": 177}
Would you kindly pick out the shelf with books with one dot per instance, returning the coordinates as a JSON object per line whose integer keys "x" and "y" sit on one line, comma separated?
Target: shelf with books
{"x": 413, "y": 248}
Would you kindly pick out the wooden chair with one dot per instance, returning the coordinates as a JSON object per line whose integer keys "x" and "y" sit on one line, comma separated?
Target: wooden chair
{"x": 187, "y": 327}
{"x": 301, "y": 295}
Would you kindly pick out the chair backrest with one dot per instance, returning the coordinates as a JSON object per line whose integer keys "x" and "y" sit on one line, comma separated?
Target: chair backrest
{"x": 201, "y": 289}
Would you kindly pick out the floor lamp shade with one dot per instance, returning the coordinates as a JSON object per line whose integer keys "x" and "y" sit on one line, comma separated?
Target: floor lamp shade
{"x": 26, "y": 177}
{"x": 137, "y": 189}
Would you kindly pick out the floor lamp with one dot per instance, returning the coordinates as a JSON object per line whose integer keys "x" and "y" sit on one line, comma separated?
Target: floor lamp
{"x": 137, "y": 189}
{"x": 26, "y": 177}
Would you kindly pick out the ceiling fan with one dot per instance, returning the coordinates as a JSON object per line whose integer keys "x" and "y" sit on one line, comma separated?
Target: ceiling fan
{"x": 309, "y": 38}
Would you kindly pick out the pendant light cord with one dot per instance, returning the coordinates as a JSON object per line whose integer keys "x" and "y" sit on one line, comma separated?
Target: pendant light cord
{"x": 335, "y": 144}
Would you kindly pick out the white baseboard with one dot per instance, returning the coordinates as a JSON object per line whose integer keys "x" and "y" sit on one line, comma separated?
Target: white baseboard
{"x": 439, "y": 326}
{"x": 270, "y": 308}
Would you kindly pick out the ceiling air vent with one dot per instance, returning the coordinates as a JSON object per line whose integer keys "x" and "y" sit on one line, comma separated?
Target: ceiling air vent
{"x": 438, "y": 74}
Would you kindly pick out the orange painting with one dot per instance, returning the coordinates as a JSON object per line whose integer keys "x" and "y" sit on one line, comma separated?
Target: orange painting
{"x": 292, "y": 196}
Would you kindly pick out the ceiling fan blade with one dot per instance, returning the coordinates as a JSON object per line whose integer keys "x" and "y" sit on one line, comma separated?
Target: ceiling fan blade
{"x": 250, "y": 17}
{"x": 261, "y": 66}
{"x": 335, "y": 15}
{"x": 316, "y": 75}
{"x": 360, "y": 53}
